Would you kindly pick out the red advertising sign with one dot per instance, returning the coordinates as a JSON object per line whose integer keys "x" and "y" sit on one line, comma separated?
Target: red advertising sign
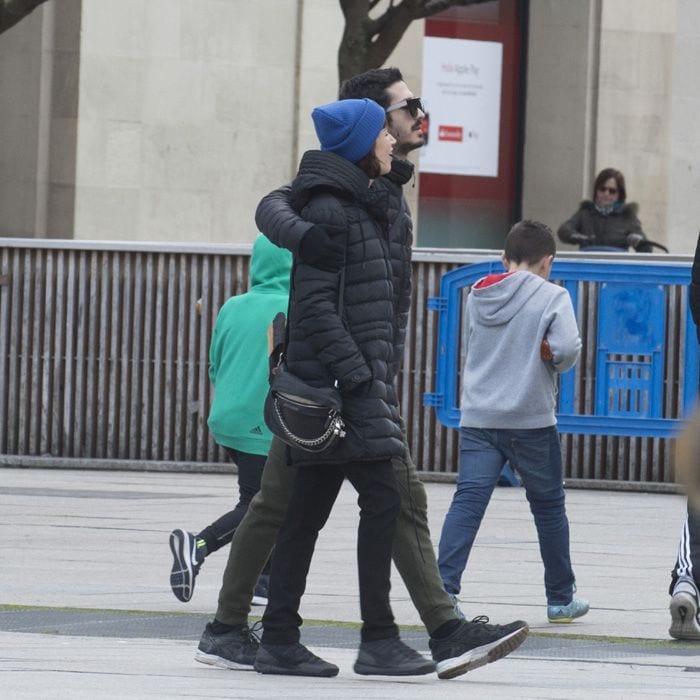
{"x": 450, "y": 133}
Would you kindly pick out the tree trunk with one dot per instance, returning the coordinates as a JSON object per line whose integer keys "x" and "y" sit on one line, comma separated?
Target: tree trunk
{"x": 369, "y": 41}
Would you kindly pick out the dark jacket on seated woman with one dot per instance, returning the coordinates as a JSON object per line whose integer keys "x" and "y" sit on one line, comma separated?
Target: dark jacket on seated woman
{"x": 618, "y": 228}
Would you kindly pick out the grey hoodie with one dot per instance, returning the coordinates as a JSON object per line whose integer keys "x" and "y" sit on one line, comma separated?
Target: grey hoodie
{"x": 505, "y": 382}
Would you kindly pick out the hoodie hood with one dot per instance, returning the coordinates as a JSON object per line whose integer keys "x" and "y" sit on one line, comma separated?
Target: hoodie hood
{"x": 497, "y": 303}
{"x": 269, "y": 267}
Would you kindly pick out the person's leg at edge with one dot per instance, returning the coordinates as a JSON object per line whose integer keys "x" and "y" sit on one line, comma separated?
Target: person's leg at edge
{"x": 480, "y": 464}
{"x": 688, "y": 558}
{"x": 685, "y": 580}
{"x": 536, "y": 454}
{"x": 255, "y": 537}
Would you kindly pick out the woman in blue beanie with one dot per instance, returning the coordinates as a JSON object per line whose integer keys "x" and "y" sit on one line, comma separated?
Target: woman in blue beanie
{"x": 343, "y": 330}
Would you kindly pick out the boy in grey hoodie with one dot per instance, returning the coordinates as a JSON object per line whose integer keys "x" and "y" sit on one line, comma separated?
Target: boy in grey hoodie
{"x": 520, "y": 331}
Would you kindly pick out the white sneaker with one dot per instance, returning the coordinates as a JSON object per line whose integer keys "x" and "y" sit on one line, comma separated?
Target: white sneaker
{"x": 685, "y": 602}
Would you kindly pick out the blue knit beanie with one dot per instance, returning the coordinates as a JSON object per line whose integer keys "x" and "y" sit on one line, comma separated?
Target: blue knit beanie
{"x": 348, "y": 127}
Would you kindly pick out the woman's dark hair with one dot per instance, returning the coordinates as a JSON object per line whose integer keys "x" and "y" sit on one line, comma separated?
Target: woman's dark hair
{"x": 370, "y": 165}
{"x": 604, "y": 175}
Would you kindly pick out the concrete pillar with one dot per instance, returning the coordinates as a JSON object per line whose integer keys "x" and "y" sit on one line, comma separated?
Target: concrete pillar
{"x": 39, "y": 65}
{"x": 561, "y": 107}
{"x": 683, "y": 212}
{"x": 634, "y": 102}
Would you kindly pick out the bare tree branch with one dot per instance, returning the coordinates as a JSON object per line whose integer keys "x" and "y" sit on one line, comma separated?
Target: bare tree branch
{"x": 368, "y": 42}
{"x": 12, "y": 11}
{"x": 432, "y": 7}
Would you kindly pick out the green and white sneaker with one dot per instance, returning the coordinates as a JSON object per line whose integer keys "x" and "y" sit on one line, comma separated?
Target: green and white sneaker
{"x": 578, "y": 607}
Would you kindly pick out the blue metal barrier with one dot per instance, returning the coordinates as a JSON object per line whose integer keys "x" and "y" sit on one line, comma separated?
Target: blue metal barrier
{"x": 629, "y": 354}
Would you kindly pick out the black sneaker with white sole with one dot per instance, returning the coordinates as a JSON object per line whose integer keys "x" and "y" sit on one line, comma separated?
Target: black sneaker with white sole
{"x": 391, "y": 657}
{"x": 235, "y": 649}
{"x": 187, "y": 558}
{"x": 474, "y": 644}
{"x": 292, "y": 660}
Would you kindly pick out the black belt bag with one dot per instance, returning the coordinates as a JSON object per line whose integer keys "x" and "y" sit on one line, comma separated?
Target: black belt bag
{"x": 301, "y": 415}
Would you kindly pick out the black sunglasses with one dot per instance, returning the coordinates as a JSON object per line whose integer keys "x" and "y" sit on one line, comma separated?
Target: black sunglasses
{"x": 609, "y": 190}
{"x": 412, "y": 104}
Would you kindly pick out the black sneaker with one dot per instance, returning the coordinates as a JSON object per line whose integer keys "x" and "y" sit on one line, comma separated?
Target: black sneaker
{"x": 235, "y": 649}
{"x": 391, "y": 657}
{"x": 187, "y": 558}
{"x": 292, "y": 660}
{"x": 262, "y": 589}
{"x": 475, "y": 644}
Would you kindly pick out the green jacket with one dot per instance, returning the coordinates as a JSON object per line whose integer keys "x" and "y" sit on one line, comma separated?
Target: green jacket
{"x": 238, "y": 355}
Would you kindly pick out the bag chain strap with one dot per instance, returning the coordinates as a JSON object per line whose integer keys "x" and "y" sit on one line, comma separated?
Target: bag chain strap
{"x": 335, "y": 427}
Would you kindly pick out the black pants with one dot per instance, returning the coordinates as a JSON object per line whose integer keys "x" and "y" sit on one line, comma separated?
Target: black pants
{"x": 250, "y": 469}
{"x": 314, "y": 493}
{"x": 688, "y": 560}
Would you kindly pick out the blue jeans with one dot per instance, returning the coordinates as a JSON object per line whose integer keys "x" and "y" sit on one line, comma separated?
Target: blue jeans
{"x": 536, "y": 455}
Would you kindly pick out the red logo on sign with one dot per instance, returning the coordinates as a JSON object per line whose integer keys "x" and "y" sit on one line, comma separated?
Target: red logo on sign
{"x": 450, "y": 133}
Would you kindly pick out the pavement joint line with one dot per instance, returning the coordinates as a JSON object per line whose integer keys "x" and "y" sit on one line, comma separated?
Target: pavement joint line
{"x": 339, "y": 624}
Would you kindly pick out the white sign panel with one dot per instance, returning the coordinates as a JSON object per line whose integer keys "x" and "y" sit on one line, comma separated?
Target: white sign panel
{"x": 462, "y": 95}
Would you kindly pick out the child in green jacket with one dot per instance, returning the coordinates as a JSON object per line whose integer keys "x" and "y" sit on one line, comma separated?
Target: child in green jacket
{"x": 238, "y": 370}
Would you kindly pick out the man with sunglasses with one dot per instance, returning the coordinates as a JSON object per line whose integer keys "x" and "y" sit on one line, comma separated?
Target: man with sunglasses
{"x": 457, "y": 645}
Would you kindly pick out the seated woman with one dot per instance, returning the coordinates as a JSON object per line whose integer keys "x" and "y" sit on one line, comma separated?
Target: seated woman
{"x": 607, "y": 222}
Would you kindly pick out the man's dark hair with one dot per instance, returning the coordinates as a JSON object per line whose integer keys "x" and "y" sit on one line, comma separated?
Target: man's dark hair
{"x": 371, "y": 84}
{"x": 529, "y": 242}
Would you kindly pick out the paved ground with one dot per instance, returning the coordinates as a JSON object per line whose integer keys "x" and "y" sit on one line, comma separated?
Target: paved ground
{"x": 86, "y": 611}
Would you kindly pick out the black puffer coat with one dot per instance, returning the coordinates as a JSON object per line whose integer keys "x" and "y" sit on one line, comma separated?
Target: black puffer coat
{"x": 359, "y": 348}
{"x": 401, "y": 242}
{"x": 694, "y": 289}
{"x": 610, "y": 230}
{"x": 283, "y": 225}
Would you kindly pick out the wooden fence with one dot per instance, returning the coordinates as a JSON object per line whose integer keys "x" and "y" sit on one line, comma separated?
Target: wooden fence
{"x": 103, "y": 361}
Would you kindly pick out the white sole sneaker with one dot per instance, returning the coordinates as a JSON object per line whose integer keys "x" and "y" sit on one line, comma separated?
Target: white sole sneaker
{"x": 480, "y": 656}
{"x": 184, "y": 571}
{"x": 684, "y": 615}
{"x": 220, "y": 661}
